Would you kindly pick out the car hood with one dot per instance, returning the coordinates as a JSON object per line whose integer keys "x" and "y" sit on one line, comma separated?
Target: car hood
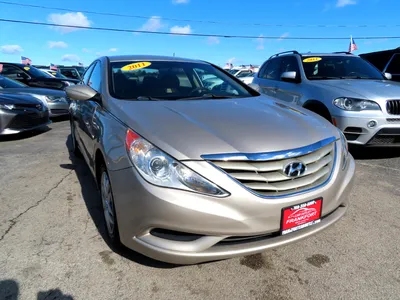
{"x": 363, "y": 88}
{"x": 36, "y": 91}
{"x": 189, "y": 129}
{"x": 10, "y": 98}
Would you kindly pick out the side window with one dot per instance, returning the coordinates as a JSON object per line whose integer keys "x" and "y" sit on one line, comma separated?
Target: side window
{"x": 262, "y": 70}
{"x": 95, "y": 78}
{"x": 86, "y": 76}
{"x": 290, "y": 64}
{"x": 394, "y": 66}
{"x": 13, "y": 72}
{"x": 272, "y": 70}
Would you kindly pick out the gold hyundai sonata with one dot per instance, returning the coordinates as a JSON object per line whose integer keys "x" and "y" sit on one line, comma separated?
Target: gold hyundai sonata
{"x": 193, "y": 165}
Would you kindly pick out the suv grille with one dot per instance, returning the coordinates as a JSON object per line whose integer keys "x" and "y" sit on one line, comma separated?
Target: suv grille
{"x": 393, "y": 107}
{"x": 266, "y": 177}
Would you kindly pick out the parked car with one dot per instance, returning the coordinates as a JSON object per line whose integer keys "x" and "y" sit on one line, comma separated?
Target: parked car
{"x": 70, "y": 72}
{"x": 190, "y": 174}
{"x": 248, "y": 79}
{"x": 56, "y": 100}
{"x": 386, "y": 61}
{"x": 57, "y": 74}
{"x": 343, "y": 88}
{"x": 20, "y": 113}
{"x": 31, "y": 76}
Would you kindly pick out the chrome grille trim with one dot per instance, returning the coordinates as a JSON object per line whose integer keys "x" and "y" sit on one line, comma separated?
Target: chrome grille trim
{"x": 265, "y": 178}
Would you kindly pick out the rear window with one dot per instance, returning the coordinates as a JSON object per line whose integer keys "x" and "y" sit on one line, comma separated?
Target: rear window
{"x": 171, "y": 80}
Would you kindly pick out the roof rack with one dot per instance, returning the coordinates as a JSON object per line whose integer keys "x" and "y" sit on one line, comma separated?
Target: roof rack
{"x": 286, "y": 52}
{"x": 343, "y": 52}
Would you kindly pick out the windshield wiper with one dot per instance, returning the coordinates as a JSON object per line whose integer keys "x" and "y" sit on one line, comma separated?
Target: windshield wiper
{"x": 355, "y": 77}
{"x": 147, "y": 98}
{"x": 324, "y": 77}
{"x": 208, "y": 96}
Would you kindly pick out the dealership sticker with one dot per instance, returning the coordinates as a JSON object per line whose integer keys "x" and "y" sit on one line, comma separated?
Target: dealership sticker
{"x": 312, "y": 59}
{"x": 27, "y": 68}
{"x": 301, "y": 216}
{"x": 136, "y": 66}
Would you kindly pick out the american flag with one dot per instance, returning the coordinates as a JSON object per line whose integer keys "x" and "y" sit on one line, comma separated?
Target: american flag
{"x": 352, "y": 46}
{"x": 25, "y": 60}
{"x": 80, "y": 64}
{"x": 53, "y": 67}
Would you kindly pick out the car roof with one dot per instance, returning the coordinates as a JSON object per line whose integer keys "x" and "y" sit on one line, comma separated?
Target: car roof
{"x": 151, "y": 58}
{"x": 15, "y": 64}
{"x": 328, "y": 54}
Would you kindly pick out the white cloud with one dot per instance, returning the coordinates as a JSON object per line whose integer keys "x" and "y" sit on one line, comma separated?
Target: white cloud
{"x": 152, "y": 24}
{"x": 58, "y": 45}
{"x": 180, "y": 1}
{"x": 74, "y": 19}
{"x": 343, "y": 3}
{"x": 113, "y": 50}
{"x": 181, "y": 29}
{"x": 86, "y": 50}
{"x": 260, "y": 42}
{"x": 71, "y": 58}
{"x": 98, "y": 54}
{"x": 231, "y": 60}
{"x": 213, "y": 40}
{"x": 283, "y": 36}
{"x": 11, "y": 49}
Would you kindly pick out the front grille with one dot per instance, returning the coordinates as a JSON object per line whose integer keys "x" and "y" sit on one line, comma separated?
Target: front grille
{"x": 266, "y": 177}
{"x": 28, "y": 120}
{"x": 393, "y": 120}
{"x": 59, "y": 111}
{"x": 386, "y": 136}
{"x": 393, "y": 107}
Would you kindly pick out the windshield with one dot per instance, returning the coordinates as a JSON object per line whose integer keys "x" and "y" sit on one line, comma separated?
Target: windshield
{"x": 6, "y": 83}
{"x": 244, "y": 74}
{"x": 231, "y": 71}
{"x": 36, "y": 73}
{"x": 170, "y": 80}
{"x": 339, "y": 67}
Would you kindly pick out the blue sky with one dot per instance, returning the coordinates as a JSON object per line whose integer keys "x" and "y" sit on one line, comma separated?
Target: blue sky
{"x": 45, "y": 45}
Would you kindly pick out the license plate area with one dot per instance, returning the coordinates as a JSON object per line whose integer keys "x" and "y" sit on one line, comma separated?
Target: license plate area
{"x": 299, "y": 216}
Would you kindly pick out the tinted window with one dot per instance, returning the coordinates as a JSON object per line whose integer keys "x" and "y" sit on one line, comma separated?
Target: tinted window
{"x": 87, "y": 74}
{"x": 272, "y": 70}
{"x": 95, "y": 78}
{"x": 70, "y": 73}
{"x": 6, "y": 83}
{"x": 171, "y": 80}
{"x": 394, "y": 66}
{"x": 244, "y": 74}
{"x": 289, "y": 64}
{"x": 13, "y": 72}
{"x": 339, "y": 67}
{"x": 36, "y": 73}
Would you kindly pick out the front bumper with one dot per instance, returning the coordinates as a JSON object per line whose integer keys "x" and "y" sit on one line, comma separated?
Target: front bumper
{"x": 58, "y": 109}
{"x": 385, "y": 133}
{"x": 13, "y": 122}
{"x": 186, "y": 228}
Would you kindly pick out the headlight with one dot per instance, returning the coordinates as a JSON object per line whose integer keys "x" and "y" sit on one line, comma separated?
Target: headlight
{"x": 160, "y": 169}
{"x": 42, "y": 99}
{"x": 7, "y": 106}
{"x": 352, "y": 104}
{"x": 345, "y": 148}
{"x": 55, "y": 99}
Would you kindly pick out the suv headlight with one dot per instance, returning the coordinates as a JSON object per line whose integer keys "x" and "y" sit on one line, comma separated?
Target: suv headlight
{"x": 55, "y": 99}
{"x": 7, "y": 106}
{"x": 345, "y": 148}
{"x": 160, "y": 169}
{"x": 352, "y": 104}
{"x": 42, "y": 99}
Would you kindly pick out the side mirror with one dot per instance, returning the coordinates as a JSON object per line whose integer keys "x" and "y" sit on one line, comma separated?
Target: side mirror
{"x": 80, "y": 92}
{"x": 388, "y": 76}
{"x": 290, "y": 77}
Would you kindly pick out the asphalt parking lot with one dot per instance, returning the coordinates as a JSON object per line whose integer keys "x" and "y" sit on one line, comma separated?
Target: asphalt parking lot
{"x": 52, "y": 246}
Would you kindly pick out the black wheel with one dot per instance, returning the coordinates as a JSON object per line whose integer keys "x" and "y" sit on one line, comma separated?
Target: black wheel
{"x": 74, "y": 147}
{"x": 107, "y": 200}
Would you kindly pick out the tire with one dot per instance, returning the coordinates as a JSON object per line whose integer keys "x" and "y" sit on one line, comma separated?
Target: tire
{"x": 109, "y": 215}
{"x": 74, "y": 147}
